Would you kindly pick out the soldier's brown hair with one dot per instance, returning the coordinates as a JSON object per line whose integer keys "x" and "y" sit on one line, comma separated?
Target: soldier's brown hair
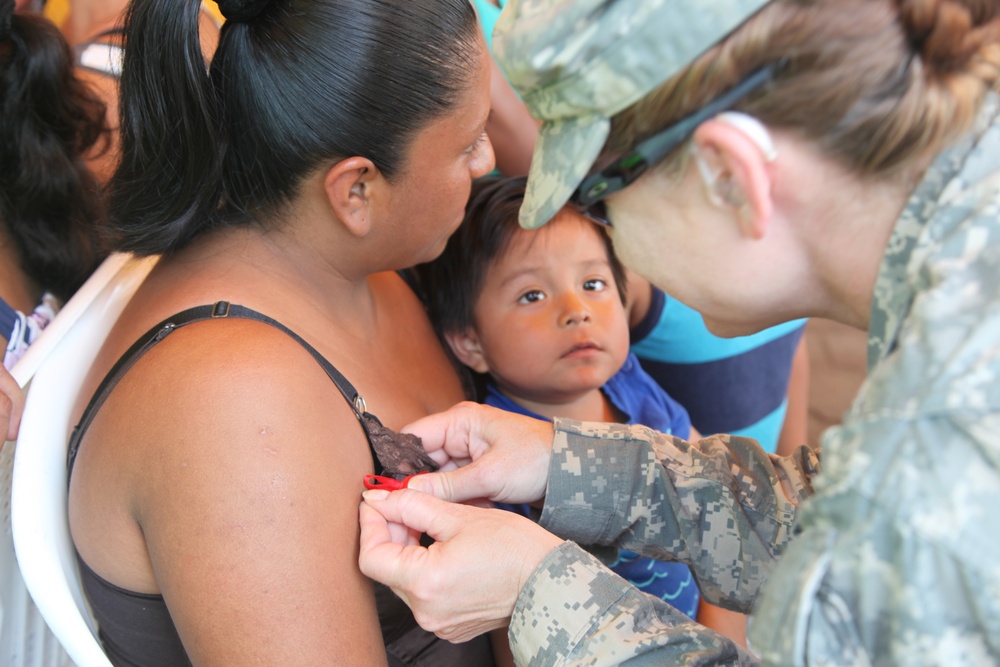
{"x": 877, "y": 84}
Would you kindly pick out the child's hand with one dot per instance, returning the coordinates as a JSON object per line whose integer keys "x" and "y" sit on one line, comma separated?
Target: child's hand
{"x": 484, "y": 453}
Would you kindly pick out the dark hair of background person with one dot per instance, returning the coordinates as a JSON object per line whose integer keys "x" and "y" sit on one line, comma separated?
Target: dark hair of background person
{"x": 451, "y": 284}
{"x": 50, "y": 204}
{"x": 293, "y": 89}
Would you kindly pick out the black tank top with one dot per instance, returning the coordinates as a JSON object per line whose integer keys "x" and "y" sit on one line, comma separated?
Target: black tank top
{"x": 136, "y": 629}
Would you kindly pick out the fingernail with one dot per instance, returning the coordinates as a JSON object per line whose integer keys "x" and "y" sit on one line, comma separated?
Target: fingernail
{"x": 418, "y": 484}
{"x": 375, "y": 494}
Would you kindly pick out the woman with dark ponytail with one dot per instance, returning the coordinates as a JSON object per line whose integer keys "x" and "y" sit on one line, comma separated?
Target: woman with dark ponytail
{"x": 216, "y": 472}
{"x": 50, "y": 207}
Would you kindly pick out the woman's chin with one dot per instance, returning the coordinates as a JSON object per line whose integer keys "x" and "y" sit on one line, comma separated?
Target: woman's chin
{"x": 732, "y": 328}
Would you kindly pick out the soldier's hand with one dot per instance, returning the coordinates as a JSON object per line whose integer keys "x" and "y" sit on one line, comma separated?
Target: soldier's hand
{"x": 468, "y": 580}
{"x": 485, "y": 453}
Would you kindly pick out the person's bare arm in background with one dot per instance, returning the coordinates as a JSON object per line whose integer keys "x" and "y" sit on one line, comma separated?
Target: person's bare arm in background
{"x": 511, "y": 128}
{"x": 11, "y": 404}
{"x": 795, "y": 430}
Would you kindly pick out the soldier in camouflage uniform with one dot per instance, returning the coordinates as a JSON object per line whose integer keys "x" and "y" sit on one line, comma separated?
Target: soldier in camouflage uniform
{"x": 887, "y": 557}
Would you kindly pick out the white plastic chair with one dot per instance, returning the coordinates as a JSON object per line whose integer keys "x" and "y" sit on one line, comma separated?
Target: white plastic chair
{"x": 25, "y": 638}
{"x": 56, "y": 365}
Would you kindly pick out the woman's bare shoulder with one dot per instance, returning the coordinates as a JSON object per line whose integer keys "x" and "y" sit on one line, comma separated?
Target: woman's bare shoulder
{"x": 242, "y": 465}
{"x": 217, "y": 375}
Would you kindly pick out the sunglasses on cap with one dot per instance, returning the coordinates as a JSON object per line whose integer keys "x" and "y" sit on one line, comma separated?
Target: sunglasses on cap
{"x": 587, "y": 199}
{"x": 596, "y": 212}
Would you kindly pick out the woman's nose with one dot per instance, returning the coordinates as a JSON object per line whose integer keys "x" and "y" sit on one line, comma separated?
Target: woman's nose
{"x": 485, "y": 159}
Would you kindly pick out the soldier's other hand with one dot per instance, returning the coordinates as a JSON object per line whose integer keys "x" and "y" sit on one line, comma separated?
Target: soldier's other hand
{"x": 466, "y": 582}
{"x": 484, "y": 452}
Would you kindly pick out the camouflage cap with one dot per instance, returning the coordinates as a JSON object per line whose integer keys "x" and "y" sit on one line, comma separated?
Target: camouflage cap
{"x": 576, "y": 63}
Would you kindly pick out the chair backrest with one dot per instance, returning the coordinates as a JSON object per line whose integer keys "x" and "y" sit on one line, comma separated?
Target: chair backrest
{"x": 57, "y": 364}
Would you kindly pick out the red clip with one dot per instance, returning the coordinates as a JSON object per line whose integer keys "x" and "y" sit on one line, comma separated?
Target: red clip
{"x": 388, "y": 483}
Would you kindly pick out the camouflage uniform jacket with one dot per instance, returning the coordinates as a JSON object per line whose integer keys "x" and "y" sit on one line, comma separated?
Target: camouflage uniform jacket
{"x": 894, "y": 559}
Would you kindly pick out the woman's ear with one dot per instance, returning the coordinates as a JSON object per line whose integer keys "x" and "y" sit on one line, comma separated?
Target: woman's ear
{"x": 734, "y": 160}
{"x": 467, "y": 349}
{"x": 348, "y": 186}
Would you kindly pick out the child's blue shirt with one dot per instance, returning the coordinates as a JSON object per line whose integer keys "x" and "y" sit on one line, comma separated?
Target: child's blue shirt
{"x": 636, "y": 395}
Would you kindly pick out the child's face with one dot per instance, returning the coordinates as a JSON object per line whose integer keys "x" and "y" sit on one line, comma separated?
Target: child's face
{"x": 550, "y": 324}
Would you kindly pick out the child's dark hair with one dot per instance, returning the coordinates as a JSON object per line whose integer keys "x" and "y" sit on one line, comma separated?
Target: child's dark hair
{"x": 452, "y": 282}
{"x": 50, "y": 203}
{"x": 294, "y": 86}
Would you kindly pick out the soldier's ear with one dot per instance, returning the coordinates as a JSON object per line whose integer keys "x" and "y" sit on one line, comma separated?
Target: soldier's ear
{"x": 733, "y": 153}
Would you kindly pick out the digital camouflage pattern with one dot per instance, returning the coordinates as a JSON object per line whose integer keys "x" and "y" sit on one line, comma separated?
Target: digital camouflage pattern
{"x": 566, "y": 621}
{"x": 576, "y": 63}
{"x": 572, "y": 613}
{"x": 896, "y": 554}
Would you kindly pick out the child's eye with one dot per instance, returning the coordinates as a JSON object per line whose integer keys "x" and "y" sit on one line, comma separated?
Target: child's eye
{"x": 595, "y": 285}
{"x": 531, "y": 297}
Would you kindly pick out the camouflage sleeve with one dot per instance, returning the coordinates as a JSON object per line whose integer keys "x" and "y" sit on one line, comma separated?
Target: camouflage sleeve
{"x": 896, "y": 563}
{"x": 722, "y": 505}
{"x": 574, "y": 611}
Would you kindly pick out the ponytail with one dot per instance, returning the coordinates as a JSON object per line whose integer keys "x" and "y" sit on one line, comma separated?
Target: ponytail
{"x": 294, "y": 86}
{"x": 167, "y": 186}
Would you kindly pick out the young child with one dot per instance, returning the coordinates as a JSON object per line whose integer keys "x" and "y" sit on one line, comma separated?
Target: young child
{"x": 539, "y": 318}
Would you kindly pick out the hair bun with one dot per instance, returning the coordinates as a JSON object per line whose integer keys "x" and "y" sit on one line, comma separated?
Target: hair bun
{"x": 948, "y": 34}
{"x": 241, "y": 10}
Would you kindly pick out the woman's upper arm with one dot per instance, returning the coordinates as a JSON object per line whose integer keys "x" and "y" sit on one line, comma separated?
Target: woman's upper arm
{"x": 250, "y": 512}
